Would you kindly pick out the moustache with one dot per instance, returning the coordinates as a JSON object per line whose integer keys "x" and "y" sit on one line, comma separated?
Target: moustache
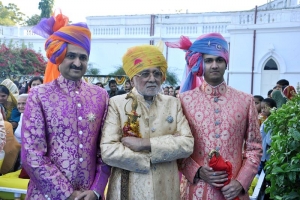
{"x": 75, "y": 67}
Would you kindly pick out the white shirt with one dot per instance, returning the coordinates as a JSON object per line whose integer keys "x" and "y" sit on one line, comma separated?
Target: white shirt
{"x": 18, "y": 130}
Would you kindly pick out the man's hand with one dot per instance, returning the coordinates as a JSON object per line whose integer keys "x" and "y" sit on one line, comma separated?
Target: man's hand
{"x": 232, "y": 190}
{"x": 136, "y": 144}
{"x": 87, "y": 195}
{"x": 74, "y": 195}
{"x": 214, "y": 178}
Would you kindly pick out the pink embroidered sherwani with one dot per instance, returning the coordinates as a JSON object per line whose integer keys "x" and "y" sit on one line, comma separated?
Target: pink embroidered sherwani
{"x": 224, "y": 119}
{"x": 153, "y": 175}
{"x": 60, "y": 139}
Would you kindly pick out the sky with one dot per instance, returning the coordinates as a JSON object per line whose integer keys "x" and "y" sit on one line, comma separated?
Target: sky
{"x": 78, "y": 10}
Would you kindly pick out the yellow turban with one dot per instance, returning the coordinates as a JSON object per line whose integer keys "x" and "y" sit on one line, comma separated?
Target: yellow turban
{"x": 138, "y": 58}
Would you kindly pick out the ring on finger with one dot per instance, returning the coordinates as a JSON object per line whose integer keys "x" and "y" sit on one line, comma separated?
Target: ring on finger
{"x": 214, "y": 173}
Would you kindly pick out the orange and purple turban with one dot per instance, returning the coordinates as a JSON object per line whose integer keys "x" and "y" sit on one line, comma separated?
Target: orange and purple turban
{"x": 138, "y": 58}
{"x": 212, "y": 44}
{"x": 59, "y": 34}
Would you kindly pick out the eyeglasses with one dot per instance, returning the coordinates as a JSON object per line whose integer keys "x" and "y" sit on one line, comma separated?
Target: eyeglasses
{"x": 156, "y": 74}
{"x": 210, "y": 60}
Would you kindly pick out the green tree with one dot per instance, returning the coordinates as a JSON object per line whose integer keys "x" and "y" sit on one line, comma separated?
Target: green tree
{"x": 119, "y": 71}
{"x": 46, "y": 7}
{"x": 10, "y": 15}
{"x": 33, "y": 20}
{"x": 171, "y": 78}
{"x": 92, "y": 69}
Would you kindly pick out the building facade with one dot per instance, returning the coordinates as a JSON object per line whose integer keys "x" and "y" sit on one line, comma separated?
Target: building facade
{"x": 264, "y": 43}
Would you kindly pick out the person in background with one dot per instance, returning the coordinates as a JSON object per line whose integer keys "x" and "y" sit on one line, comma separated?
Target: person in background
{"x": 270, "y": 93}
{"x": 21, "y": 107}
{"x": 35, "y": 81}
{"x": 171, "y": 91}
{"x": 166, "y": 90}
{"x": 99, "y": 84}
{"x": 11, "y": 148}
{"x": 223, "y": 121}
{"x": 146, "y": 149}
{"x": 257, "y": 100}
{"x": 282, "y": 83}
{"x": 176, "y": 92}
{"x": 2, "y": 129}
{"x": 112, "y": 84}
{"x": 266, "y": 106}
{"x": 61, "y": 126}
{"x": 8, "y": 100}
{"x": 128, "y": 86}
{"x": 278, "y": 97}
{"x": 289, "y": 92}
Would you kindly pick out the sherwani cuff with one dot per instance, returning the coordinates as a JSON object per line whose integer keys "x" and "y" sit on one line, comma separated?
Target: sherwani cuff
{"x": 245, "y": 176}
{"x": 100, "y": 182}
{"x": 189, "y": 169}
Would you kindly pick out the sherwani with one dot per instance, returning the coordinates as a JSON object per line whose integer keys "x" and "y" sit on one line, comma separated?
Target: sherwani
{"x": 153, "y": 175}
{"x": 223, "y": 119}
{"x": 60, "y": 139}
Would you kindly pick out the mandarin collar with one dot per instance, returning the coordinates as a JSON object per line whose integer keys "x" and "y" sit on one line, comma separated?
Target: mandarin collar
{"x": 68, "y": 85}
{"x": 213, "y": 90}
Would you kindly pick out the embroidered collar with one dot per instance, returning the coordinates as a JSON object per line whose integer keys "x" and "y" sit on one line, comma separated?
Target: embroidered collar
{"x": 68, "y": 85}
{"x": 214, "y": 90}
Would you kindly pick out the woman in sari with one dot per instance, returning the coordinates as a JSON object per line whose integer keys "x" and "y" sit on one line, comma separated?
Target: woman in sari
{"x": 8, "y": 93}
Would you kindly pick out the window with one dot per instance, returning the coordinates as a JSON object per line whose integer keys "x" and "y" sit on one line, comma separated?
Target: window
{"x": 271, "y": 65}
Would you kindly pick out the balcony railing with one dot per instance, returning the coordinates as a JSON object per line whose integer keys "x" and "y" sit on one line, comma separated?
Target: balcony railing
{"x": 168, "y": 25}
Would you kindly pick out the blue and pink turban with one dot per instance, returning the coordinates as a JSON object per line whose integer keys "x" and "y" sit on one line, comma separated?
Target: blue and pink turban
{"x": 59, "y": 34}
{"x": 212, "y": 44}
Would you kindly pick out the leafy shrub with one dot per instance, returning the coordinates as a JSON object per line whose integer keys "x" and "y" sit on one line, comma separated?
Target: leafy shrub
{"x": 283, "y": 168}
{"x": 21, "y": 61}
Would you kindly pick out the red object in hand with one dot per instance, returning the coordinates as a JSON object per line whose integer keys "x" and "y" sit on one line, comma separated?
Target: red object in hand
{"x": 219, "y": 164}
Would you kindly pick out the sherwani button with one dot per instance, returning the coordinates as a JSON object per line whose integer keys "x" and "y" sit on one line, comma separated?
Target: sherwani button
{"x": 79, "y": 105}
{"x": 46, "y": 196}
{"x": 76, "y": 92}
{"x": 153, "y": 129}
{"x": 217, "y": 148}
{"x": 217, "y": 110}
{"x": 216, "y": 99}
{"x": 80, "y": 159}
{"x": 80, "y": 132}
{"x": 80, "y": 146}
{"x": 79, "y": 118}
{"x": 217, "y": 135}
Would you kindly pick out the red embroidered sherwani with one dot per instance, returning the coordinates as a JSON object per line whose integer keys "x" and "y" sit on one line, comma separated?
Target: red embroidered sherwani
{"x": 224, "y": 119}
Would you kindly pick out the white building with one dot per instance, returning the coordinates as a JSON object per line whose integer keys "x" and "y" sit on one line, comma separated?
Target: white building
{"x": 261, "y": 53}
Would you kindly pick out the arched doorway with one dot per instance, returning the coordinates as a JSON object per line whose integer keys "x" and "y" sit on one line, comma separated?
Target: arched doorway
{"x": 269, "y": 76}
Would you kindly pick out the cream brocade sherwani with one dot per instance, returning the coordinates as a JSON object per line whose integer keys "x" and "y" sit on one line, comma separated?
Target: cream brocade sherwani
{"x": 223, "y": 119}
{"x": 153, "y": 175}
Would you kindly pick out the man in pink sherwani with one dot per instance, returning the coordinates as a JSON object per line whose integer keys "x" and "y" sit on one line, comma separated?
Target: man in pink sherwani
{"x": 221, "y": 119}
{"x": 63, "y": 118}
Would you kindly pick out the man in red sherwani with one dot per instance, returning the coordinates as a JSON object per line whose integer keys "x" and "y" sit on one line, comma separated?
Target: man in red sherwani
{"x": 221, "y": 119}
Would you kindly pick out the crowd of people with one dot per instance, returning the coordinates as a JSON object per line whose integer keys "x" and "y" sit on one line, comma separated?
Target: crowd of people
{"x": 73, "y": 139}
